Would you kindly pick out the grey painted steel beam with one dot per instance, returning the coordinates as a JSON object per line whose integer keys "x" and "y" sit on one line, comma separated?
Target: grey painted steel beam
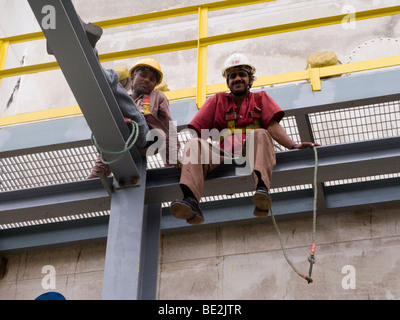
{"x": 353, "y": 196}
{"x": 85, "y": 77}
{"x": 124, "y": 242}
{"x": 183, "y": 112}
{"x": 304, "y": 127}
{"x": 148, "y": 272}
{"x": 375, "y": 193}
{"x": 53, "y": 234}
{"x": 53, "y": 201}
{"x": 294, "y": 167}
{"x": 360, "y": 195}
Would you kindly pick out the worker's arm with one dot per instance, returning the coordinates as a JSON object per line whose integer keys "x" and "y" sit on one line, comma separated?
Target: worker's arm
{"x": 279, "y": 135}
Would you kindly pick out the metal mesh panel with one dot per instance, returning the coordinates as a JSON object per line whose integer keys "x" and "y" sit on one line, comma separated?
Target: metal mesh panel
{"x": 357, "y": 123}
{"x": 46, "y": 168}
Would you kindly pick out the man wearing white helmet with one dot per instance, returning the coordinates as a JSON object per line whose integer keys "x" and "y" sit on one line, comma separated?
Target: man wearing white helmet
{"x": 234, "y": 114}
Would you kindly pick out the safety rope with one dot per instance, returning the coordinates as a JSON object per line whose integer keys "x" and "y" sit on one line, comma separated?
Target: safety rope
{"x": 128, "y": 145}
{"x": 311, "y": 257}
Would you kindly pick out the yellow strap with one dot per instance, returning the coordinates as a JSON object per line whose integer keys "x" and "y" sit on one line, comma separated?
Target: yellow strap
{"x": 233, "y": 130}
{"x": 146, "y": 107}
{"x": 231, "y": 124}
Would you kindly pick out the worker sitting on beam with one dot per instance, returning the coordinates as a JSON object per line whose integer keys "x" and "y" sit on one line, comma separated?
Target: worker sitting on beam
{"x": 143, "y": 77}
{"x": 248, "y": 123}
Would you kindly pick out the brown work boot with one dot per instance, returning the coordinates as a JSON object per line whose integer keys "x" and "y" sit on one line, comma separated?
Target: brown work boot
{"x": 187, "y": 209}
{"x": 262, "y": 202}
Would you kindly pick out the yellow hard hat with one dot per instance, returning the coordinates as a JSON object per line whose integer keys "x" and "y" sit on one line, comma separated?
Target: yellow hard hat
{"x": 122, "y": 71}
{"x": 151, "y": 63}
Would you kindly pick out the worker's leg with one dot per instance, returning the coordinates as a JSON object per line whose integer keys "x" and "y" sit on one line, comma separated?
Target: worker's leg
{"x": 98, "y": 169}
{"x": 264, "y": 157}
{"x": 261, "y": 153}
{"x": 199, "y": 158}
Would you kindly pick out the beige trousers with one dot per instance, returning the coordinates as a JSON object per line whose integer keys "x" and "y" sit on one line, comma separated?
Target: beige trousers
{"x": 201, "y": 157}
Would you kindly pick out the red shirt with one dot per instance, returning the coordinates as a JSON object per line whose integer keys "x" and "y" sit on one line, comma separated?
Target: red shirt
{"x": 213, "y": 114}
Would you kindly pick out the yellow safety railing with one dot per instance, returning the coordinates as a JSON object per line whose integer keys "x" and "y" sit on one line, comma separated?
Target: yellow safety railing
{"x": 201, "y": 90}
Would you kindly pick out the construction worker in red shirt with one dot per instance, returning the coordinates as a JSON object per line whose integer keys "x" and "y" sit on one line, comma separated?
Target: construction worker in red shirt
{"x": 242, "y": 118}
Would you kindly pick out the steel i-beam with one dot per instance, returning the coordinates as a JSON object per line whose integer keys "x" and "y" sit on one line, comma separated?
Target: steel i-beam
{"x": 85, "y": 77}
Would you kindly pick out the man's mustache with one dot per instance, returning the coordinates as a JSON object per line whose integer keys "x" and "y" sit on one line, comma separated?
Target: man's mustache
{"x": 238, "y": 82}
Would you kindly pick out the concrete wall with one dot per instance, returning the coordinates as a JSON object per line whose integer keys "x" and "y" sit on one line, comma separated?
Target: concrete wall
{"x": 246, "y": 262}
{"x": 239, "y": 262}
{"x": 78, "y": 272}
{"x": 271, "y": 55}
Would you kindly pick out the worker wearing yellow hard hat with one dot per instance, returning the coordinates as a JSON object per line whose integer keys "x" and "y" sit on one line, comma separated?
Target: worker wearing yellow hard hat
{"x": 148, "y": 64}
{"x": 146, "y": 75}
{"x": 143, "y": 77}
{"x": 124, "y": 74}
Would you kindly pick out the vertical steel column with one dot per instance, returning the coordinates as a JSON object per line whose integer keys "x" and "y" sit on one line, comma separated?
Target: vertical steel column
{"x": 304, "y": 127}
{"x": 125, "y": 231}
{"x": 148, "y": 272}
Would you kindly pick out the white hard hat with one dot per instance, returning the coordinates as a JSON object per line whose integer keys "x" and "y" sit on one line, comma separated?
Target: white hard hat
{"x": 237, "y": 60}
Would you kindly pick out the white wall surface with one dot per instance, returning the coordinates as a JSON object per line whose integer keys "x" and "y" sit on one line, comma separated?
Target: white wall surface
{"x": 374, "y": 38}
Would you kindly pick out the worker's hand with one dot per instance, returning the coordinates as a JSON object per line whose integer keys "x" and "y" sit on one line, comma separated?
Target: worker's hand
{"x": 304, "y": 145}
